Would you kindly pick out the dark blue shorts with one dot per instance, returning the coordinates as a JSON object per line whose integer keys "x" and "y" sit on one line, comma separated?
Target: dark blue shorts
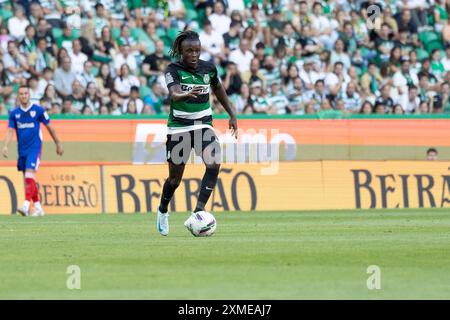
{"x": 29, "y": 161}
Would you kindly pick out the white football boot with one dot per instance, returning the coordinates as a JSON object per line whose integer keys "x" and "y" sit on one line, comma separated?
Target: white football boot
{"x": 25, "y": 210}
{"x": 162, "y": 223}
{"x": 38, "y": 212}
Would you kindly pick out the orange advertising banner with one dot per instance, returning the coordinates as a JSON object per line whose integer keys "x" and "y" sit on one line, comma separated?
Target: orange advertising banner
{"x": 391, "y": 132}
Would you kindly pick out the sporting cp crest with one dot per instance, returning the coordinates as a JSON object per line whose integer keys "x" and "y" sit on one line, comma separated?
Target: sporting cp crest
{"x": 206, "y": 78}
{"x": 32, "y": 113}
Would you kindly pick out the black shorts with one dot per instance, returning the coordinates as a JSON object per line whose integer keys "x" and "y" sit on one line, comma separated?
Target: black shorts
{"x": 179, "y": 145}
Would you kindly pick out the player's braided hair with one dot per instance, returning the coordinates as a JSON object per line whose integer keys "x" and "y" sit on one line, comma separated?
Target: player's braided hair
{"x": 175, "y": 51}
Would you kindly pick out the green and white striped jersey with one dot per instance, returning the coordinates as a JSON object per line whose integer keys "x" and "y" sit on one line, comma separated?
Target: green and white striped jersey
{"x": 193, "y": 113}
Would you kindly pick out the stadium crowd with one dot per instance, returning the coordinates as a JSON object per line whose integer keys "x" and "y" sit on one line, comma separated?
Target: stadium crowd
{"x": 274, "y": 57}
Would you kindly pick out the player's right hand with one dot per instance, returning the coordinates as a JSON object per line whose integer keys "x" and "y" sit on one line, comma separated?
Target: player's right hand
{"x": 59, "y": 149}
{"x": 193, "y": 94}
{"x": 5, "y": 151}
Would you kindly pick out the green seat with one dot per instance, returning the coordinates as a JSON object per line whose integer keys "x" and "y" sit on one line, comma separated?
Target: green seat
{"x": 422, "y": 54}
{"x": 101, "y": 59}
{"x": 428, "y": 36}
{"x": 57, "y": 32}
{"x": 166, "y": 40}
{"x": 160, "y": 32}
{"x": 189, "y": 4}
{"x": 115, "y": 33}
{"x": 172, "y": 33}
{"x": 136, "y": 33}
{"x": 95, "y": 70}
{"x": 6, "y": 14}
{"x": 191, "y": 14}
{"x": 435, "y": 44}
{"x": 76, "y": 33}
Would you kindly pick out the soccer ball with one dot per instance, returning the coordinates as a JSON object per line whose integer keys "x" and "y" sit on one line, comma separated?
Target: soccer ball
{"x": 201, "y": 224}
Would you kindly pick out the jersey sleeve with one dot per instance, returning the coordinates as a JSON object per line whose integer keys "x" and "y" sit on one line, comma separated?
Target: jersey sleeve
{"x": 171, "y": 76}
{"x": 43, "y": 117}
{"x": 215, "y": 77}
{"x": 12, "y": 121}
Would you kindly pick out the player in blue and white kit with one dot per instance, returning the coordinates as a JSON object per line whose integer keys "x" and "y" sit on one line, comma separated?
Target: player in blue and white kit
{"x": 26, "y": 120}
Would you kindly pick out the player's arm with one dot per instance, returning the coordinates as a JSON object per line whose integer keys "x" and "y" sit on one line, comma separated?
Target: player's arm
{"x": 12, "y": 125}
{"x": 174, "y": 87}
{"x": 59, "y": 147}
{"x": 45, "y": 119}
{"x": 221, "y": 95}
{"x": 176, "y": 94}
{"x": 9, "y": 135}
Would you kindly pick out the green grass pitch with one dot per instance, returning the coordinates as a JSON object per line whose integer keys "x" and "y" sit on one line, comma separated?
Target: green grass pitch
{"x": 264, "y": 255}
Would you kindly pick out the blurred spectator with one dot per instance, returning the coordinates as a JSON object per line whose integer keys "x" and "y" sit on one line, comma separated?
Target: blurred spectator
{"x": 18, "y": 23}
{"x": 77, "y": 57}
{"x": 289, "y": 44}
{"x": 125, "y": 57}
{"x": 385, "y": 99}
{"x": 15, "y": 63}
{"x": 351, "y": 98}
{"x": 64, "y": 77}
{"x": 104, "y": 80}
{"x": 124, "y": 81}
{"x": 92, "y": 100}
{"x": 86, "y": 76}
{"x": 212, "y": 42}
{"x": 28, "y": 43}
{"x": 243, "y": 100}
{"x": 134, "y": 97}
{"x": 50, "y": 95}
{"x": 78, "y": 96}
{"x": 278, "y": 100}
{"x": 156, "y": 63}
{"x": 232, "y": 37}
{"x": 242, "y": 56}
{"x": 432, "y": 154}
{"x": 219, "y": 20}
{"x": 114, "y": 106}
{"x": 45, "y": 80}
{"x": 232, "y": 82}
{"x": 258, "y": 102}
{"x": 40, "y": 59}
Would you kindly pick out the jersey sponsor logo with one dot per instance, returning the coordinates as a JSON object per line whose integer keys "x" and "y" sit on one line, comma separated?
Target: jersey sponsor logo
{"x": 21, "y": 125}
{"x": 185, "y": 77}
{"x": 169, "y": 78}
{"x": 32, "y": 113}
{"x": 189, "y": 87}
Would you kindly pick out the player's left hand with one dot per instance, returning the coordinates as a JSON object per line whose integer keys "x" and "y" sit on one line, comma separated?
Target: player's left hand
{"x": 59, "y": 149}
{"x": 233, "y": 126}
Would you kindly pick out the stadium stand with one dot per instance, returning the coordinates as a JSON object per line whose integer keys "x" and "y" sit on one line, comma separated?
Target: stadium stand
{"x": 274, "y": 57}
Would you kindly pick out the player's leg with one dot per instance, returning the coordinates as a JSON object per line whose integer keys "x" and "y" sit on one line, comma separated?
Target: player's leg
{"x": 170, "y": 185}
{"x": 178, "y": 149}
{"x": 21, "y": 166}
{"x": 211, "y": 156}
{"x": 39, "y": 212}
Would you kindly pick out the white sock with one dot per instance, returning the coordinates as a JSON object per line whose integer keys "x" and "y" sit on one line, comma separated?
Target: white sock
{"x": 38, "y": 206}
{"x": 26, "y": 205}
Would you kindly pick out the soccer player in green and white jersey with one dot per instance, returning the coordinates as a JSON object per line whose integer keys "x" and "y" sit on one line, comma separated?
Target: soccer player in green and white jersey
{"x": 189, "y": 81}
